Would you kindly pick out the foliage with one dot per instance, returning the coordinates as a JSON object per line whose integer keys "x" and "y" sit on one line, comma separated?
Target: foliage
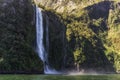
{"x": 91, "y": 37}
{"x": 92, "y": 34}
{"x": 113, "y": 34}
{"x": 16, "y": 39}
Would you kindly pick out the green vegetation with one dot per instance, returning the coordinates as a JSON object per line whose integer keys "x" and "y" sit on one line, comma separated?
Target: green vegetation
{"x": 113, "y": 46}
{"x": 17, "y": 33}
{"x": 88, "y": 36}
{"x": 92, "y": 34}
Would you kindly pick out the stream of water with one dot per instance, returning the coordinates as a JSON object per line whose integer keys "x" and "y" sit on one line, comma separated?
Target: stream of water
{"x": 43, "y": 51}
{"x": 60, "y": 77}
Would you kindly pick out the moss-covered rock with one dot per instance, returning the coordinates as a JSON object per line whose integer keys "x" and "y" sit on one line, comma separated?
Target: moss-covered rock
{"x": 89, "y": 32}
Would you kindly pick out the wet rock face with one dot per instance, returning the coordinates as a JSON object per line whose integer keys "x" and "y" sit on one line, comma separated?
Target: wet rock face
{"x": 57, "y": 39}
{"x": 17, "y": 36}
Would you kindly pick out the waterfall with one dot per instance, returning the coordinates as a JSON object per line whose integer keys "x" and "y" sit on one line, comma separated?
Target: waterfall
{"x": 43, "y": 50}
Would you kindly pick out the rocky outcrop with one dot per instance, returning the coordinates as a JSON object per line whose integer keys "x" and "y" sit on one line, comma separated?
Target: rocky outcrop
{"x": 58, "y": 5}
{"x": 87, "y": 25}
{"x": 69, "y": 6}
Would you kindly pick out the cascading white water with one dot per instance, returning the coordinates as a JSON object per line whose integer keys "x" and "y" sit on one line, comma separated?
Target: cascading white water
{"x": 42, "y": 52}
{"x": 39, "y": 33}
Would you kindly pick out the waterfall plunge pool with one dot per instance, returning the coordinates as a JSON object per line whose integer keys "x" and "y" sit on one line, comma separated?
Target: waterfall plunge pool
{"x": 61, "y": 77}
